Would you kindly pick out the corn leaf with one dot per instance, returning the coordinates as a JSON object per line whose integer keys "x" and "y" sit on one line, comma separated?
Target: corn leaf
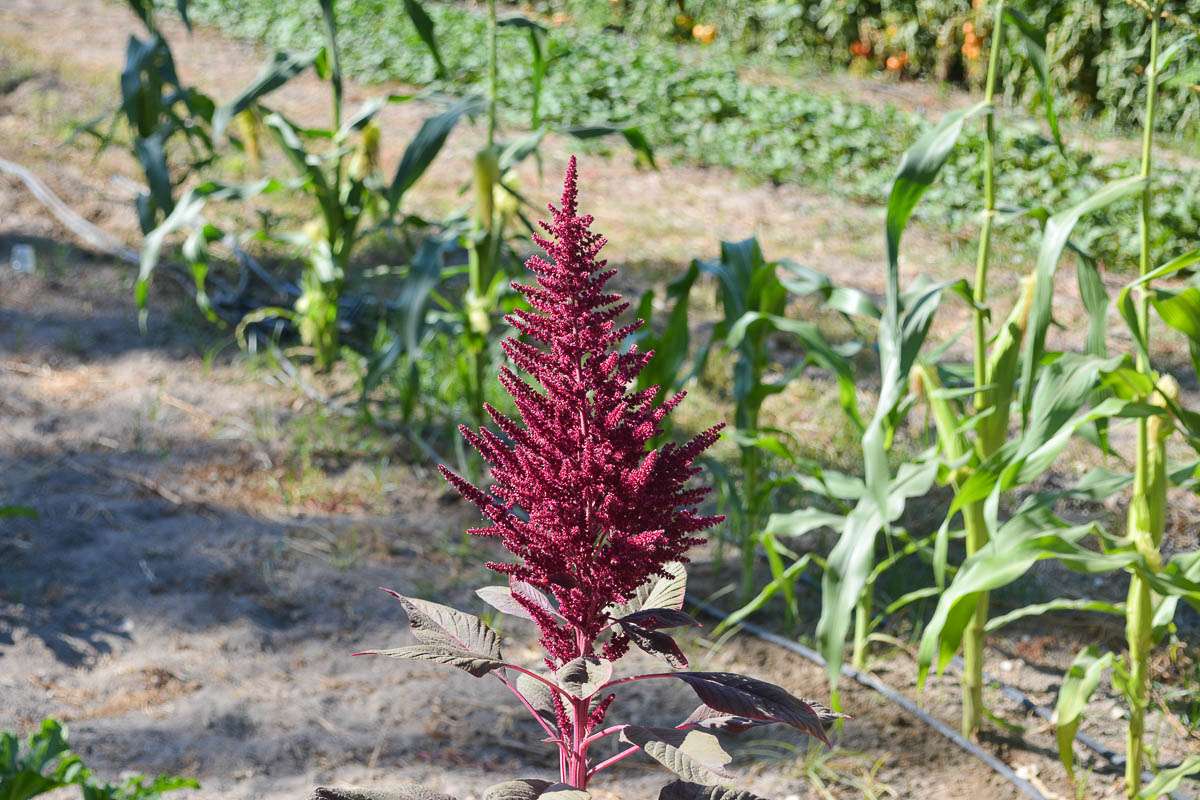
{"x": 1078, "y": 685}
{"x": 1168, "y": 780}
{"x": 278, "y": 70}
{"x": 424, "y": 147}
{"x": 1054, "y": 240}
{"x": 425, "y": 29}
{"x": 1034, "y": 39}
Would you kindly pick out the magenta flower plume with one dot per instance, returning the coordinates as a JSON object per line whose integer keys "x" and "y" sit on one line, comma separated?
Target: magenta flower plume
{"x": 587, "y": 511}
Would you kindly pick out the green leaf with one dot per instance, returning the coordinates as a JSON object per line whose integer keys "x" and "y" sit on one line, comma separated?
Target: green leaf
{"x": 582, "y": 677}
{"x": 1013, "y": 549}
{"x": 693, "y": 755}
{"x": 474, "y": 663}
{"x": 424, "y": 147}
{"x": 671, "y": 347}
{"x": 768, "y": 591}
{"x": 1034, "y": 39}
{"x": 1168, "y": 780}
{"x": 1054, "y": 239}
{"x": 919, "y": 166}
{"x": 425, "y": 29}
{"x": 1078, "y": 685}
{"x": 1061, "y": 604}
{"x": 17, "y": 511}
{"x": 633, "y": 137}
{"x": 278, "y": 70}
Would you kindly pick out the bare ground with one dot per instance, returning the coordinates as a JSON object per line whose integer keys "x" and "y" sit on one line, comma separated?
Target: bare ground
{"x": 190, "y": 594}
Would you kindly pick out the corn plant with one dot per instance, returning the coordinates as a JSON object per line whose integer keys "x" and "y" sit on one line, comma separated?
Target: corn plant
{"x": 158, "y": 110}
{"x": 600, "y": 524}
{"x": 753, "y": 295}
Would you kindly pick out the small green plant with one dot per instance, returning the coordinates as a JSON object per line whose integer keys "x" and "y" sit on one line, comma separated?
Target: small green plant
{"x": 46, "y": 763}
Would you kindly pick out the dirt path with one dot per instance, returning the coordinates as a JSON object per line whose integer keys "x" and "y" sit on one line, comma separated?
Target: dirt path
{"x": 200, "y": 571}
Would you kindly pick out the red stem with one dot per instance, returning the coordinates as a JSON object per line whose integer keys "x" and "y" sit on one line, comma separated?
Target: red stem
{"x": 635, "y": 678}
{"x": 545, "y": 726}
{"x": 613, "y": 760}
{"x": 606, "y": 732}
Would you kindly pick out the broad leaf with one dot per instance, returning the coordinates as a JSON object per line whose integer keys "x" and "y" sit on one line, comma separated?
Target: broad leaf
{"x": 681, "y": 790}
{"x": 539, "y": 695}
{"x": 692, "y": 755}
{"x": 583, "y": 676}
{"x": 749, "y": 697}
{"x": 474, "y": 663}
{"x": 524, "y": 789}
{"x": 436, "y": 624}
{"x": 656, "y": 643}
{"x": 657, "y": 592}
{"x": 658, "y": 619}
{"x": 502, "y": 599}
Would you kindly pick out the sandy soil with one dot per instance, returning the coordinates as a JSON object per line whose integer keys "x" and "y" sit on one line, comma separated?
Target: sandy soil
{"x": 191, "y": 593}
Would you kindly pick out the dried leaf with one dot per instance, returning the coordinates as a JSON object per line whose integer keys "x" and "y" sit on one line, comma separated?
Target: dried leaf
{"x": 693, "y": 755}
{"x": 584, "y": 676}
{"x": 656, "y": 644}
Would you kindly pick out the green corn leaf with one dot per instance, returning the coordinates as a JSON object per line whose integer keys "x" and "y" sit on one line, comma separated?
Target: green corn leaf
{"x": 1168, "y": 780}
{"x": 671, "y": 346}
{"x": 1034, "y": 39}
{"x": 919, "y": 166}
{"x": 277, "y": 71}
{"x": 785, "y": 578}
{"x": 1054, "y": 240}
{"x": 425, "y": 29}
{"x": 1078, "y": 686}
{"x": 1061, "y": 604}
{"x": 632, "y": 134}
{"x": 852, "y": 558}
{"x": 1168, "y": 55}
{"x": 1015, "y": 547}
{"x": 1186, "y": 565}
{"x": 537, "y": 36}
{"x": 425, "y": 146}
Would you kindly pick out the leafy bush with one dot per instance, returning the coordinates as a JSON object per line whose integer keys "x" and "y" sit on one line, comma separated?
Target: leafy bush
{"x": 47, "y": 763}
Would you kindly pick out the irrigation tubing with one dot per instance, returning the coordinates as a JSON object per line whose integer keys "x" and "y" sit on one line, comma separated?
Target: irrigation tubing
{"x": 871, "y": 682}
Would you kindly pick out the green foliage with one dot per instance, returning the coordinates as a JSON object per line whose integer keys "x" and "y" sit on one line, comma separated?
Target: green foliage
{"x": 47, "y": 763}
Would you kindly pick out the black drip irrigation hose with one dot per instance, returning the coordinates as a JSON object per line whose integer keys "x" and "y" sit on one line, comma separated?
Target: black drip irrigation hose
{"x": 871, "y": 682}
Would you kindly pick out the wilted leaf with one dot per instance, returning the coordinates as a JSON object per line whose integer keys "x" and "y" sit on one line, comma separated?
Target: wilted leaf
{"x": 474, "y": 663}
{"x": 657, "y": 644}
{"x": 682, "y": 790}
{"x": 658, "y": 619}
{"x": 692, "y": 755}
{"x": 583, "y": 676}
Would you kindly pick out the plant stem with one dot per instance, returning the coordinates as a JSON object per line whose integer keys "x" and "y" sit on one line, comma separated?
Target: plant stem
{"x": 862, "y": 626}
{"x": 974, "y": 636}
{"x": 1143, "y": 525}
{"x": 492, "y": 67}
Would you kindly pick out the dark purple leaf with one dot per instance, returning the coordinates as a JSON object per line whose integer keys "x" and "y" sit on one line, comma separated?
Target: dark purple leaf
{"x": 656, "y": 644}
{"x": 474, "y": 663}
{"x": 404, "y": 791}
{"x": 681, "y": 790}
{"x": 713, "y": 720}
{"x": 540, "y": 696}
{"x": 525, "y": 789}
{"x": 749, "y": 697}
{"x": 659, "y": 618}
{"x": 436, "y": 624}
{"x": 692, "y": 755}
